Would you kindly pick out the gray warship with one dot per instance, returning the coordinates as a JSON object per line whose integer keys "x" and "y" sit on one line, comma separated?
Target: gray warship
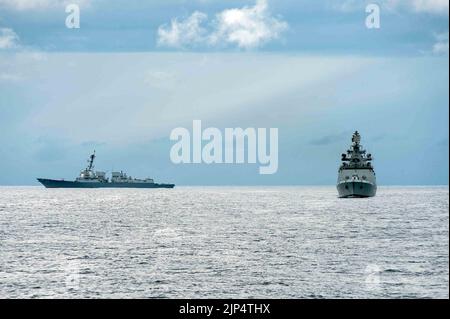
{"x": 356, "y": 175}
{"x": 89, "y": 178}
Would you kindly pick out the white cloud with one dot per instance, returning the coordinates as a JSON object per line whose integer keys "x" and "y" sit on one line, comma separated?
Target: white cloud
{"x": 8, "y": 38}
{"x": 441, "y": 45}
{"x": 39, "y": 4}
{"x": 181, "y": 33}
{"x": 246, "y": 27}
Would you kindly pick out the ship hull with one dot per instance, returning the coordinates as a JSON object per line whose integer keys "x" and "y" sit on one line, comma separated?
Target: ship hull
{"x": 52, "y": 183}
{"x": 355, "y": 189}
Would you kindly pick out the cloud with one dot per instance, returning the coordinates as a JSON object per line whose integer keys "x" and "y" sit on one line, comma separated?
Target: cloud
{"x": 8, "y": 39}
{"x": 39, "y": 4}
{"x": 247, "y": 27}
{"x": 181, "y": 33}
{"x": 441, "y": 45}
{"x": 331, "y": 139}
{"x": 166, "y": 90}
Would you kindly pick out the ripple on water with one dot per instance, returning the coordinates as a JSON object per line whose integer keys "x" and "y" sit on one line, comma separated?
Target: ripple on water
{"x": 219, "y": 242}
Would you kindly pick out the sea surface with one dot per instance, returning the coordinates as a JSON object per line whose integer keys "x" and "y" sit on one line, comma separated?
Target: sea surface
{"x": 223, "y": 242}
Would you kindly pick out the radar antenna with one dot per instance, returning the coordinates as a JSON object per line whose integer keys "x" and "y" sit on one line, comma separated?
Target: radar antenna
{"x": 356, "y": 138}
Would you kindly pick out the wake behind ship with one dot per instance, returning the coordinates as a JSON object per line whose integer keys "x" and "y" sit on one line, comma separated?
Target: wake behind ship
{"x": 356, "y": 175}
{"x": 90, "y": 179}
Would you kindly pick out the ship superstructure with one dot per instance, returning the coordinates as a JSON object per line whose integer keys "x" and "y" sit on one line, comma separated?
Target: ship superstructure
{"x": 356, "y": 174}
{"x": 89, "y": 178}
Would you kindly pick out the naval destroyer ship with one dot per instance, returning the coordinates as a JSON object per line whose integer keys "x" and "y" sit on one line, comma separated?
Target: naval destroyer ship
{"x": 356, "y": 175}
{"x": 90, "y": 179}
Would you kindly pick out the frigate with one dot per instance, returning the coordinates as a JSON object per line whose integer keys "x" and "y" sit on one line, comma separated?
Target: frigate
{"x": 89, "y": 178}
{"x": 356, "y": 174}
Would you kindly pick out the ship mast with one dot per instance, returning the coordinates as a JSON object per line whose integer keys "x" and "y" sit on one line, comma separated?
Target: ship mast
{"x": 91, "y": 162}
{"x": 356, "y": 156}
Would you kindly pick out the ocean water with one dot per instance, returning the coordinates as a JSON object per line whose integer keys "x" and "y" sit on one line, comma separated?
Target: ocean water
{"x": 223, "y": 242}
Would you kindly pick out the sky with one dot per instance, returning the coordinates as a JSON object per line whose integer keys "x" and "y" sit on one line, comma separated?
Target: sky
{"x": 135, "y": 70}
